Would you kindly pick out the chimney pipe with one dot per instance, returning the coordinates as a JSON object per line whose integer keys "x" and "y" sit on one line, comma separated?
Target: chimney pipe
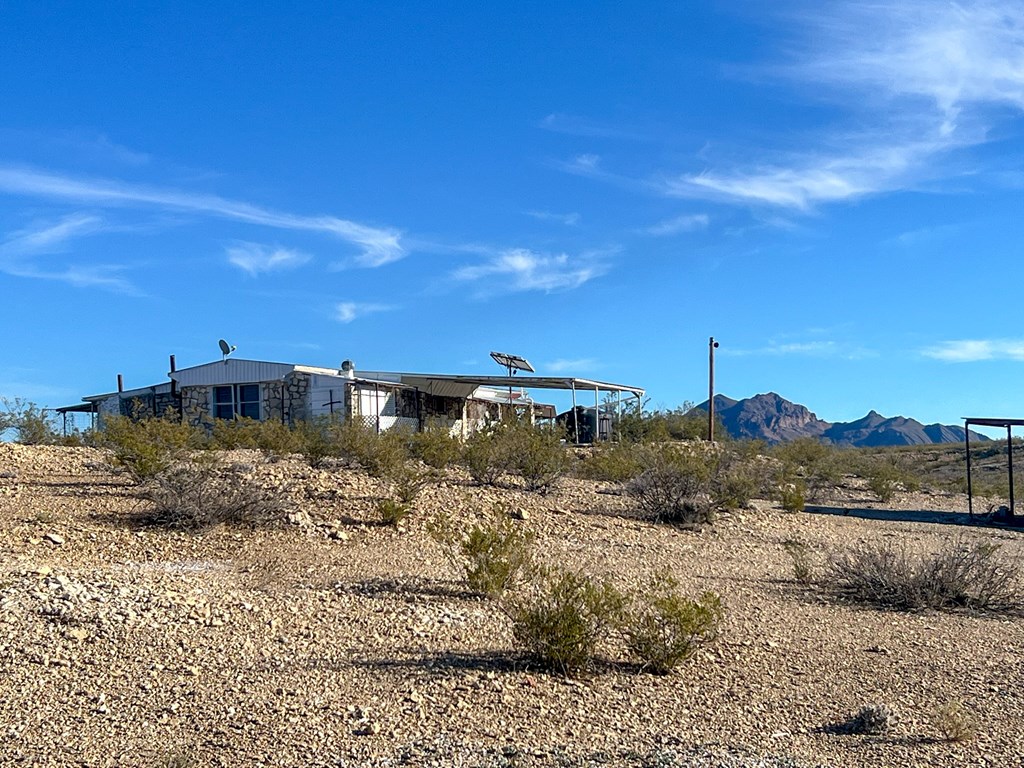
{"x": 174, "y": 384}
{"x": 120, "y": 383}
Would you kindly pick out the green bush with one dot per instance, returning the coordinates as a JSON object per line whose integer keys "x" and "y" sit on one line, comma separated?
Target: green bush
{"x": 565, "y": 618}
{"x": 194, "y": 495}
{"x": 613, "y": 462}
{"x": 536, "y": 454}
{"x": 962, "y": 575}
{"x": 492, "y": 553}
{"x": 486, "y": 456}
{"x": 803, "y": 561}
{"x": 30, "y": 423}
{"x": 392, "y": 512}
{"x": 271, "y": 437}
{"x": 791, "y": 494}
{"x": 147, "y": 447}
{"x": 675, "y": 481}
{"x": 436, "y": 447}
{"x": 408, "y": 480}
{"x": 668, "y": 627}
{"x": 886, "y": 476}
{"x": 820, "y": 466}
{"x": 379, "y": 454}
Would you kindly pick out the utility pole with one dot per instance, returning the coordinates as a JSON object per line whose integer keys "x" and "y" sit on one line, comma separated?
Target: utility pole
{"x": 712, "y": 346}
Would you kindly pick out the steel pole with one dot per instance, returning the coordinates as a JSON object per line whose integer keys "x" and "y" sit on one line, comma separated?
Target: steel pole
{"x": 711, "y": 389}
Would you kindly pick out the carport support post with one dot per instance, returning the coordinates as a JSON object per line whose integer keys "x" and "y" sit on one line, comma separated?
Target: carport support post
{"x": 575, "y": 416}
{"x": 1009, "y": 463}
{"x": 597, "y": 415}
{"x": 967, "y": 446}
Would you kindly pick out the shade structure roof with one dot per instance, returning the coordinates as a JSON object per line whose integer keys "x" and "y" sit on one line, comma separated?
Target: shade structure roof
{"x": 459, "y": 385}
{"x": 991, "y": 422}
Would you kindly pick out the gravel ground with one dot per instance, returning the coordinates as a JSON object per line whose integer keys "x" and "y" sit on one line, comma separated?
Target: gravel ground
{"x": 335, "y": 642}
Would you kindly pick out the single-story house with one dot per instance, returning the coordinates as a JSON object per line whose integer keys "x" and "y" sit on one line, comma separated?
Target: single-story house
{"x": 289, "y": 392}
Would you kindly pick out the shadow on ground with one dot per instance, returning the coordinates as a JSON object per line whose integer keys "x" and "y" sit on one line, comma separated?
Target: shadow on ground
{"x": 917, "y": 516}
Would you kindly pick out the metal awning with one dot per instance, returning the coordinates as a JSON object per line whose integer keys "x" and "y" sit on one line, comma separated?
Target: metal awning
{"x": 566, "y": 383}
{"x": 77, "y": 408}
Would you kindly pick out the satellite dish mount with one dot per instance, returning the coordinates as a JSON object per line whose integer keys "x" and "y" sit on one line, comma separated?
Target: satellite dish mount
{"x": 226, "y": 349}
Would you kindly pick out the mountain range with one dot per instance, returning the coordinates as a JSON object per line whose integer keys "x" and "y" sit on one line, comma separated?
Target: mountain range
{"x": 774, "y": 419}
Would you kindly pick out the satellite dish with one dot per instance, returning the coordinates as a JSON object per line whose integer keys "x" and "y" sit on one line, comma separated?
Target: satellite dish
{"x": 226, "y": 349}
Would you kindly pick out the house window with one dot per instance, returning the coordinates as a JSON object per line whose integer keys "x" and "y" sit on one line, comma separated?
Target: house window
{"x": 241, "y": 400}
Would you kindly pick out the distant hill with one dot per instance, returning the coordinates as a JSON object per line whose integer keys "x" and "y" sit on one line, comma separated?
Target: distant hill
{"x": 774, "y": 419}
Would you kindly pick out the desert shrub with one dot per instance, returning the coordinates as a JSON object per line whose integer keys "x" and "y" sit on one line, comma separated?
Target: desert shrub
{"x": 30, "y": 423}
{"x": 683, "y": 423}
{"x": 194, "y": 495}
{"x": 272, "y": 437}
{"x": 147, "y": 447}
{"x": 741, "y": 474}
{"x": 820, "y": 466}
{"x": 953, "y": 722}
{"x": 565, "y": 618}
{"x": 667, "y": 627}
{"x": 803, "y": 560}
{"x": 492, "y": 553}
{"x": 436, "y": 447}
{"x": 392, "y": 511}
{"x": 614, "y": 462}
{"x": 673, "y": 484}
{"x": 536, "y": 454}
{"x": 317, "y": 439}
{"x": 791, "y": 493}
{"x": 486, "y": 456}
{"x": 886, "y": 476}
{"x": 408, "y": 479}
{"x": 962, "y": 575}
{"x": 379, "y": 454}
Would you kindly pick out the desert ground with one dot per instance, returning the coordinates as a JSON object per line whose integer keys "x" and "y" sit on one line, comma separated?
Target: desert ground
{"x": 334, "y": 641}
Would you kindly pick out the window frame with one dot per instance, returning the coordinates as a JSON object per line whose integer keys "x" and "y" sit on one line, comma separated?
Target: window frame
{"x": 237, "y": 406}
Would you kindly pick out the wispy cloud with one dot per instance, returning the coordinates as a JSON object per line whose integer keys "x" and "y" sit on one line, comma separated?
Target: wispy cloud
{"x": 577, "y": 364}
{"x": 520, "y": 269}
{"x": 818, "y": 348}
{"x": 20, "y": 252}
{"x": 377, "y": 246}
{"x": 347, "y": 311}
{"x": 686, "y": 223}
{"x": 574, "y": 125}
{"x": 975, "y": 350}
{"x": 569, "y": 219}
{"x": 254, "y": 258}
{"x": 946, "y": 68}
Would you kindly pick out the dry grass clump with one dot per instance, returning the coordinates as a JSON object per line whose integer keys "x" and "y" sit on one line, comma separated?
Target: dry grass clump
{"x": 954, "y": 723}
{"x": 962, "y": 575}
{"x": 803, "y": 560}
{"x": 200, "y": 494}
{"x": 492, "y": 552}
{"x": 667, "y": 628}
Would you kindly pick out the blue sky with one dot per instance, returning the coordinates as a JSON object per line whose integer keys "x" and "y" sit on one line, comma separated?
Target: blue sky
{"x": 833, "y": 190}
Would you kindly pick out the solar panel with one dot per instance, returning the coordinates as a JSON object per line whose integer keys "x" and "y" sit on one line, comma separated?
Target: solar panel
{"x": 512, "y": 362}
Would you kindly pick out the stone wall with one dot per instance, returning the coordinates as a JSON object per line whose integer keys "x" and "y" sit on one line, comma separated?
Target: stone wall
{"x": 195, "y": 405}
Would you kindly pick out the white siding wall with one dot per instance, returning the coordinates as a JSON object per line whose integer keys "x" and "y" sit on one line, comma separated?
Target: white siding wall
{"x": 323, "y": 389}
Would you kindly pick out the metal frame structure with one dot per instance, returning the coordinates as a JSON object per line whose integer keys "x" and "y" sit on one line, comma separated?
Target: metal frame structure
{"x": 1008, "y": 424}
